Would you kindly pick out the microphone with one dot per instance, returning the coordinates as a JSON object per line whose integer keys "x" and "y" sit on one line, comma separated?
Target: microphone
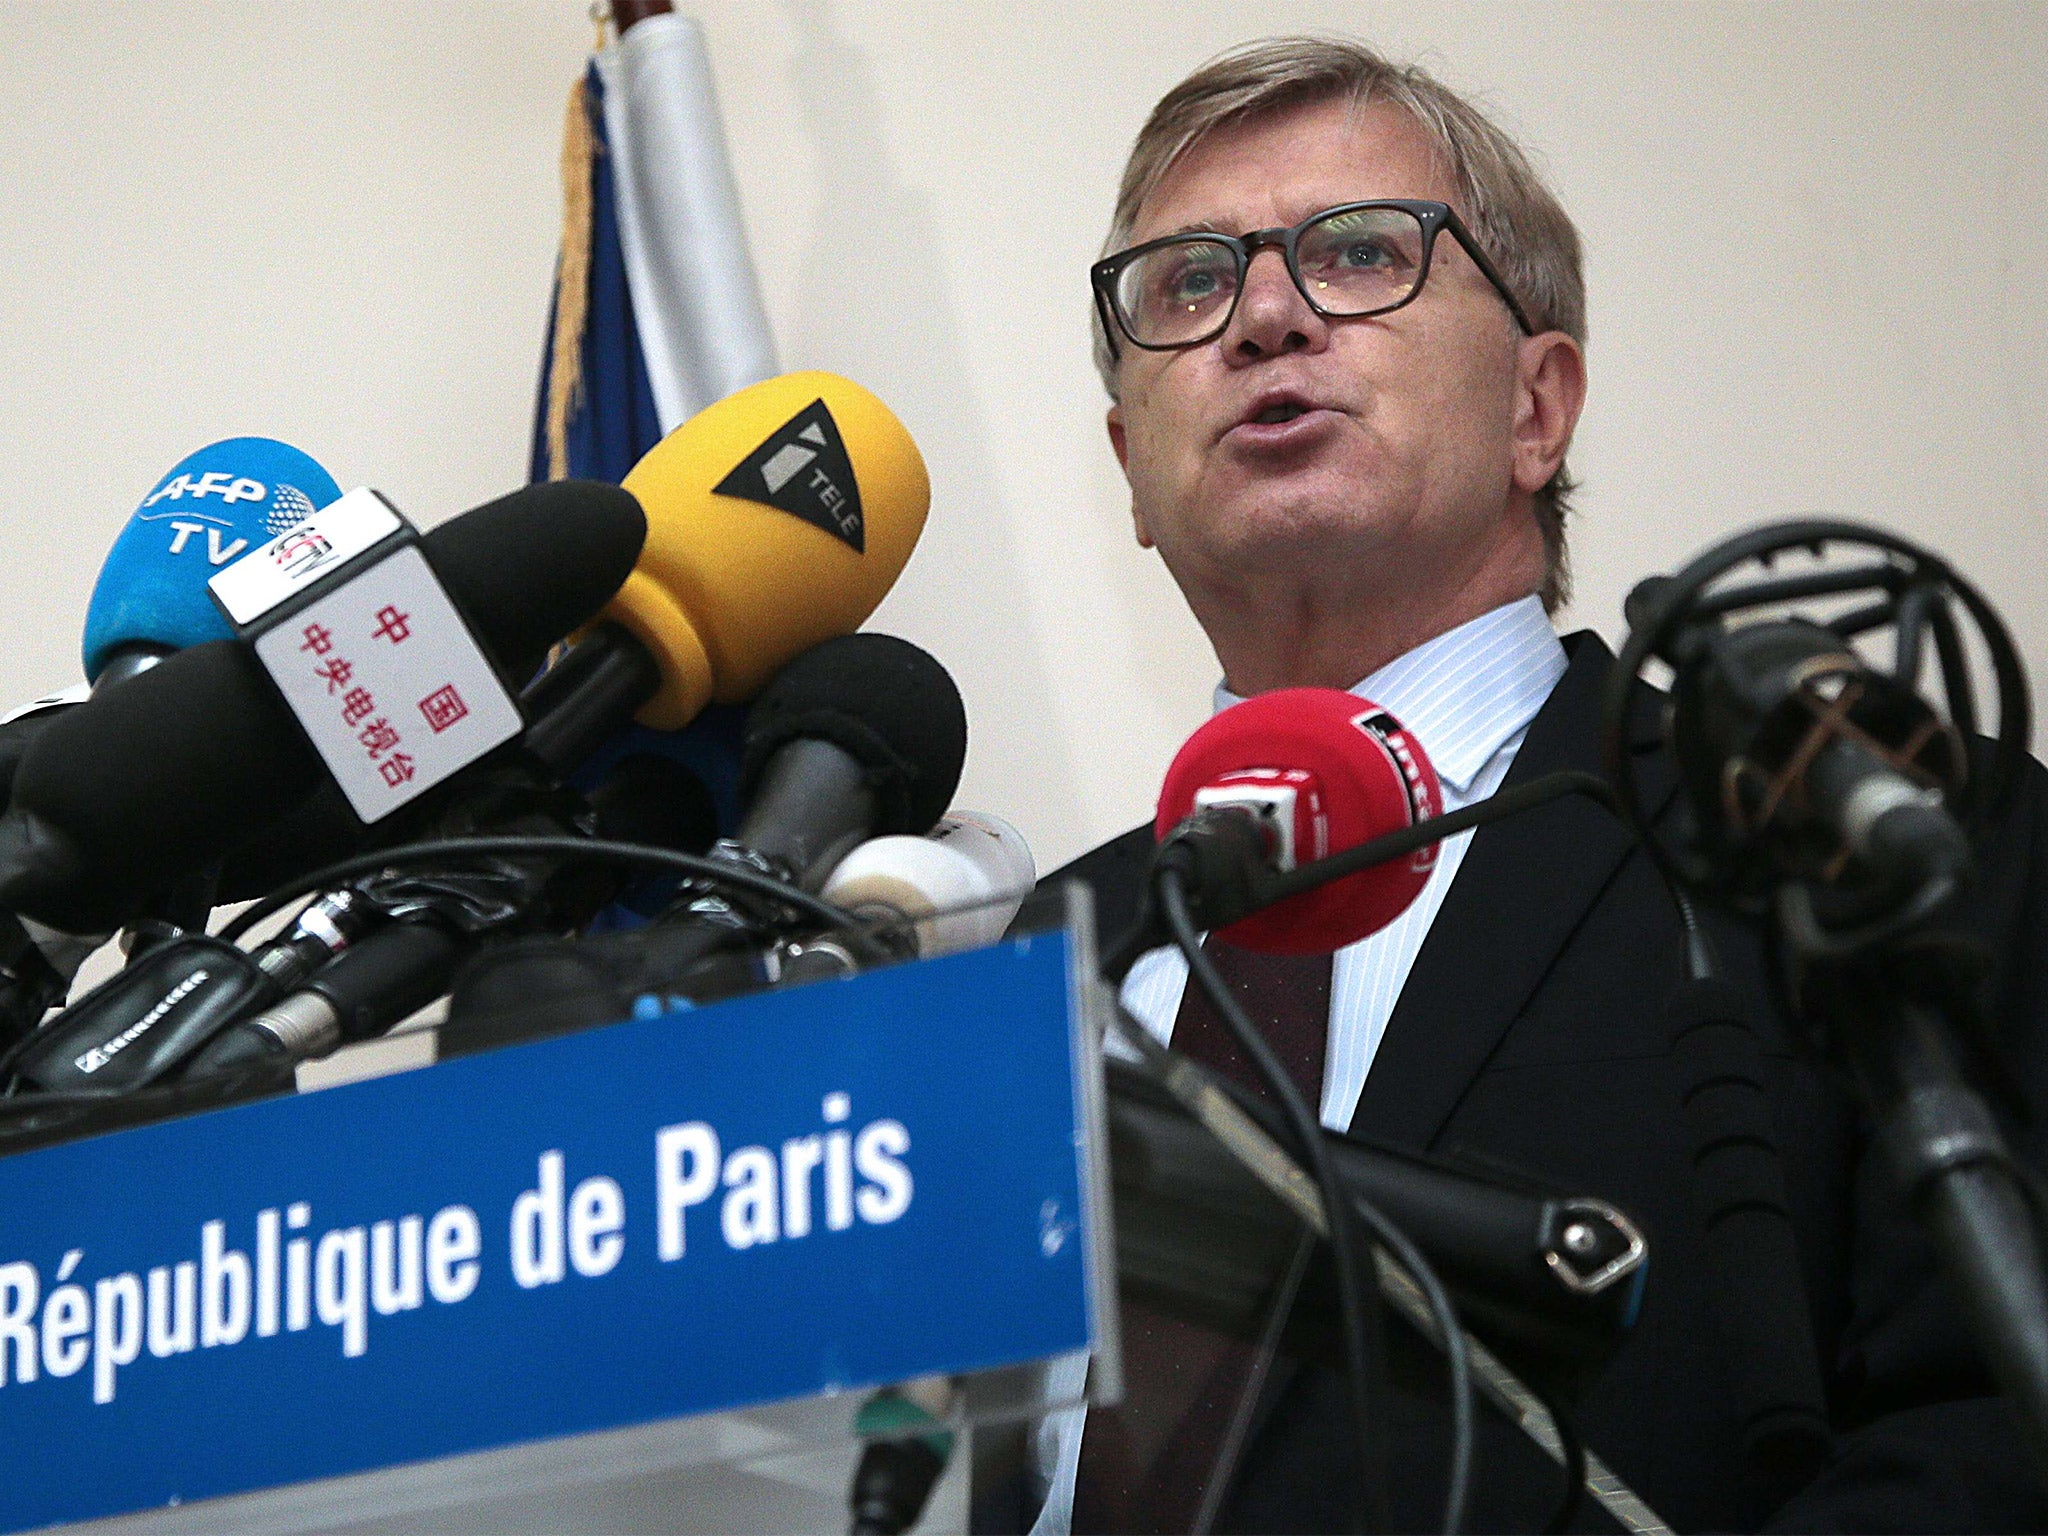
{"x": 859, "y": 736}
{"x": 21, "y": 727}
{"x": 652, "y": 799}
{"x": 37, "y": 963}
{"x": 211, "y": 509}
{"x": 140, "y": 1023}
{"x": 150, "y": 598}
{"x": 1551, "y": 1274}
{"x": 359, "y": 994}
{"x": 402, "y": 967}
{"x": 580, "y": 702}
{"x": 1284, "y": 779}
{"x": 909, "y": 1445}
{"x": 862, "y": 735}
{"x": 777, "y": 519}
{"x": 1831, "y": 797}
{"x": 148, "y": 781}
{"x": 1804, "y": 763}
{"x": 954, "y": 889}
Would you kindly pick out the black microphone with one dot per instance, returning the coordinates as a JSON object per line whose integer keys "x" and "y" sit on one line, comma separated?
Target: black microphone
{"x": 572, "y": 710}
{"x": 447, "y": 914}
{"x": 386, "y": 978}
{"x": 859, "y": 737}
{"x": 117, "y": 799}
{"x": 1802, "y": 762}
{"x": 864, "y": 735}
{"x": 442, "y": 919}
{"x": 20, "y": 732}
{"x": 141, "y": 1023}
{"x": 1828, "y": 795}
{"x": 1552, "y": 1276}
{"x": 37, "y": 962}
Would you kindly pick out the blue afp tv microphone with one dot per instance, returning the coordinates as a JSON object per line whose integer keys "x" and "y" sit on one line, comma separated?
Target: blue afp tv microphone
{"x": 211, "y": 509}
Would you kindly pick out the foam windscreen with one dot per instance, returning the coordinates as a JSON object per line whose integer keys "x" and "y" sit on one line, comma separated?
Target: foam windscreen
{"x": 777, "y": 518}
{"x": 527, "y": 568}
{"x": 1347, "y": 771}
{"x": 212, "y": 508}
{"x": 889, "y": 704}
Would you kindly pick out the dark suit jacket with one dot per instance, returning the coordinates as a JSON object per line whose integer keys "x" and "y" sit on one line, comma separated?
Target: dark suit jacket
{"x": 1529, "y": 1031}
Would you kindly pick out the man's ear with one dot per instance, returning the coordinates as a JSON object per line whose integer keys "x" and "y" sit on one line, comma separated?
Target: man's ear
{"x": 1120, "y": 446}
{"x": 1549, "y": 394}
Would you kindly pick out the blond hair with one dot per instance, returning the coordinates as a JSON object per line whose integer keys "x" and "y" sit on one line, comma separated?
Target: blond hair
{"x": 1516, "y": 219}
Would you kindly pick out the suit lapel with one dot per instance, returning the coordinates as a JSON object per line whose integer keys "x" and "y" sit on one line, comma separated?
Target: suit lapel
{"x": 1524, "y": 886}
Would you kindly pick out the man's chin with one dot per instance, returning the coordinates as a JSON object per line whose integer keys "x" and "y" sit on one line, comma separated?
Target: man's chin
{"x": 1290, "y": 541}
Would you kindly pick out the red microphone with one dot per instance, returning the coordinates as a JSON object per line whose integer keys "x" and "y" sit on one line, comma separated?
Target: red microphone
{"x": 1321, "y": 771}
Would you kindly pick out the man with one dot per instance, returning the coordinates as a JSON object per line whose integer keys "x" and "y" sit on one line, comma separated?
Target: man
{"x": 1341, "y": 325}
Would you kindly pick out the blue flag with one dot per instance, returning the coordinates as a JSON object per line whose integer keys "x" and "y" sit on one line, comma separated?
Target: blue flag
{"x": 657, "y": 313}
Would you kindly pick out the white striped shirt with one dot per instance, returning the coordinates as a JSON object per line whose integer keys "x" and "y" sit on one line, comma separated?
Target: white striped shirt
{"x": 1469, "y": 697}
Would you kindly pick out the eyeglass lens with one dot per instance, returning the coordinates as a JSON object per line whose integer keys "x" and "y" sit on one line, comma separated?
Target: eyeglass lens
{"x": 1351, "y": 262}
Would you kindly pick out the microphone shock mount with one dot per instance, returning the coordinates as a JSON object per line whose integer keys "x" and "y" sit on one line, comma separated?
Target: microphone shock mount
{"x": 1824, "y": 792}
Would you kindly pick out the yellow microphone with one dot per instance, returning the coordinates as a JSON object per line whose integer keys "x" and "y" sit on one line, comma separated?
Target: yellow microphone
{"x": 776, "y": 519}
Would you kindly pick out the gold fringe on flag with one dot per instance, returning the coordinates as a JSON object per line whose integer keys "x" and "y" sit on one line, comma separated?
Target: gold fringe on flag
{"x": 572, "y": 279}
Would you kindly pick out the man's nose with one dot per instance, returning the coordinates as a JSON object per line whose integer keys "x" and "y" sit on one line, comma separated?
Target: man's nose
{"x": 1272, "y": 317}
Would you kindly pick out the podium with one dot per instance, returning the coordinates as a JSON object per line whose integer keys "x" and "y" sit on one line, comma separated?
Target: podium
{"x": 639, "y": 1277}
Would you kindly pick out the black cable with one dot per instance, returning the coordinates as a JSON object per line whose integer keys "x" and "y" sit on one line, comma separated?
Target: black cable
{"x": 1457, "y": 1359}
{"x": 595, "y": 849}
{"x": 1364, "y": 1342}
{"x": 1155, "y": 1059}
{"x": 1420, "y": 834}
{"x": 712, "y": 870}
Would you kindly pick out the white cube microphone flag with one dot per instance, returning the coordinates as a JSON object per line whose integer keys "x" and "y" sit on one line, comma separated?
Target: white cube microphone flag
{"x": 368, "y": 653}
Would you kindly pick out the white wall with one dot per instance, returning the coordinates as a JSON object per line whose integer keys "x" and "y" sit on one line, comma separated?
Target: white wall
{"x": 1816, "y": 262}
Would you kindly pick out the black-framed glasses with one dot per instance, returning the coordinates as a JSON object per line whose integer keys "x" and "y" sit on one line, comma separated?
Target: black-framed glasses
{"x": 1352, "y": 260}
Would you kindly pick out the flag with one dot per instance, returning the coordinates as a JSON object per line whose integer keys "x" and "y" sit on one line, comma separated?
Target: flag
{"x": 657, "y": 312}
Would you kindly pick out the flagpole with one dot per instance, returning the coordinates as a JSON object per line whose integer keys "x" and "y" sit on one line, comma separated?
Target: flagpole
{"x": 626, "y": 12}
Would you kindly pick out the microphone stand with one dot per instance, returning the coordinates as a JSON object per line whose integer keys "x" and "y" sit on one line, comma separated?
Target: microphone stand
{"x": 1229, "y": 889}
{"x": 1761, "y": 706}
{"x": 1892, "y": 1014}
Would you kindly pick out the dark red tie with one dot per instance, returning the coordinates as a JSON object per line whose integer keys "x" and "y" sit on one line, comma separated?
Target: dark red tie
{"x": 1146, "y": 1463}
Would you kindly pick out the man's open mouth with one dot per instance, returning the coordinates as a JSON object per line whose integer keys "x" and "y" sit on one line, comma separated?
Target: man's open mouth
{"x": 1276, "y": 407}
{"x": 1274, "y": 414}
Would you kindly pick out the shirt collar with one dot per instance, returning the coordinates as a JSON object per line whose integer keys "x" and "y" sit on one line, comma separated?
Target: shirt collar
{"x": 1471, "y": 690}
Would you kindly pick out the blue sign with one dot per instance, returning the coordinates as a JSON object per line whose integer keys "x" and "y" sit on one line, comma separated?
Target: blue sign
{"x": 837, "y": 1186}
